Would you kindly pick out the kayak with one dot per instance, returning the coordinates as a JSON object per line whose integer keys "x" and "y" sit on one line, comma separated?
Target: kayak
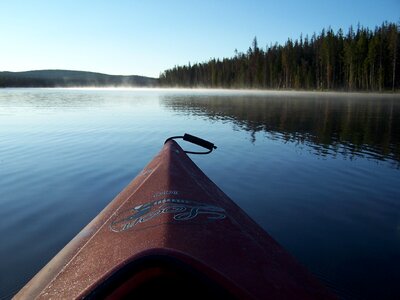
{"x": 173, "y": 232}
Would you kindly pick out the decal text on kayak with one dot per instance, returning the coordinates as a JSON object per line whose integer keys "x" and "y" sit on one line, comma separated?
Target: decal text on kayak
{"x": 179, "y": 209}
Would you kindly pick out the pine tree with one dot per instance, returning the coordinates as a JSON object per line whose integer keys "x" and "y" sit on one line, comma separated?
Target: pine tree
{"x": 361, "y": 60}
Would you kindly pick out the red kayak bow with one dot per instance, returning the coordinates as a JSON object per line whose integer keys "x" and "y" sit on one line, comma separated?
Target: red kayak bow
{"x": 172, "y": 231}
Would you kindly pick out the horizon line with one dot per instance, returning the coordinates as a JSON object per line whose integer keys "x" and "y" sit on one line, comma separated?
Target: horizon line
{"x": 75, "y": 70}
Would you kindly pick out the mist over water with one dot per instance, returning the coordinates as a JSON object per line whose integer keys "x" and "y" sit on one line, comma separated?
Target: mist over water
{"x": 319, "y": 172}
{"x": 352, "y": 125}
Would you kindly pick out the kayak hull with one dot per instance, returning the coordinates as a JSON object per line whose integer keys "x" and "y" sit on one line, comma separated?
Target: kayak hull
{"x": 172, "y": 215}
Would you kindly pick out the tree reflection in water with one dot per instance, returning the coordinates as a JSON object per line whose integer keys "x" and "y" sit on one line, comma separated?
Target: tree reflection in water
{"x": 351, "y": 125}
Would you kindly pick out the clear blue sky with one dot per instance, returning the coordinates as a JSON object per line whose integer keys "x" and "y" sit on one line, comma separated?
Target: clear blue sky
{"x": 145, "y": 37}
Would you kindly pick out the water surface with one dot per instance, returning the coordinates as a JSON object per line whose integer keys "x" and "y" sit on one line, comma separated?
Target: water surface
{"x": 319, "y": 172}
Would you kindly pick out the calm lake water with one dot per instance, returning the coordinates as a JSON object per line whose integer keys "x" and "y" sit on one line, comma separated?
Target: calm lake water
{"x": 319, "y": 172}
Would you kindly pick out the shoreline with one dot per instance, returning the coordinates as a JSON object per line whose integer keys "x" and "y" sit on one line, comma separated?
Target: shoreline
{"x": 218, "y": 90}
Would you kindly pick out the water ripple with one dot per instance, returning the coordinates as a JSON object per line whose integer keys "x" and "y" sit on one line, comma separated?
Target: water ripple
{"x": 320, "y": 174}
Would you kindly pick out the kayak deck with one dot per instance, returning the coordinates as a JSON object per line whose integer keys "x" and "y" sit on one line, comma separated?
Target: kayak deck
{"x": 172, "y": 229}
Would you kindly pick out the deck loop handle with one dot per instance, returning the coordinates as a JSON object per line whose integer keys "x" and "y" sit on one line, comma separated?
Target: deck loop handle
{"x": 198, "y": 141}
{"x": 195, "y": 140}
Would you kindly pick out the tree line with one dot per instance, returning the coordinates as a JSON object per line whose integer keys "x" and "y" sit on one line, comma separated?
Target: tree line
{"x": 361, "y": 59}
{"x": 68, "y": 78}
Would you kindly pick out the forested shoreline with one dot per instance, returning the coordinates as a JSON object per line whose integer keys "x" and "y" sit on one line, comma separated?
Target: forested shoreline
{"x": 361, "y": 59}
{"x": 69, "y": 78}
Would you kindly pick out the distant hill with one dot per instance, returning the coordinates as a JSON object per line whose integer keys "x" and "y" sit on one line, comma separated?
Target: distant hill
{"x": 66, "y": 78}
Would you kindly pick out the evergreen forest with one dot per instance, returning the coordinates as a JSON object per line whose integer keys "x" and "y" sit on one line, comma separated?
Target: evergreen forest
{"x": 68, "y": 78}
{"x": 360, "y": 59}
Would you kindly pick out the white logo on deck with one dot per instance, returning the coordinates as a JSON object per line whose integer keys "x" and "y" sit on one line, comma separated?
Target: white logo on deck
{"x": 179, "y": 209}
